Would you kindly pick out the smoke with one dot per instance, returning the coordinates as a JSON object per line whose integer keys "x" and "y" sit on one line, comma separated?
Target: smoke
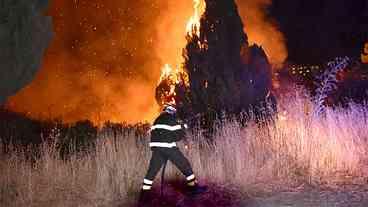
{"x": 105, "y": 60}
{"x": 263, "y": 30}
{"x": 171, "y": 31}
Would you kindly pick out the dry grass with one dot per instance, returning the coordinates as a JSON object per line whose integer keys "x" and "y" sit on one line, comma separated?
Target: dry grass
{"x": 298, "y": 148}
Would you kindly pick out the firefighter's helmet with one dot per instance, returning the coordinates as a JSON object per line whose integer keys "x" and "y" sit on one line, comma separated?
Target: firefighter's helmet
{"x": 170, "y": 108}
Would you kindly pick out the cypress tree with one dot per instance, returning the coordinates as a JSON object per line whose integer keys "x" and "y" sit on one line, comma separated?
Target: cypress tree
{"x": 225, "y": 73}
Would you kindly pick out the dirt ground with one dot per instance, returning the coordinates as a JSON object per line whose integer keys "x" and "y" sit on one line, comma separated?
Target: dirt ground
{"x": 343, "y": 196}
{"x": 303, "y": 196}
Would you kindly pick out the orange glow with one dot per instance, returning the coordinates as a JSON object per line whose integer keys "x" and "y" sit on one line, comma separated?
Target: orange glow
{"x": 262, "y": 30}
{"x": 105, "y": 57}
{"x": 175, "y": 76}
{"x": 365, "y": 56}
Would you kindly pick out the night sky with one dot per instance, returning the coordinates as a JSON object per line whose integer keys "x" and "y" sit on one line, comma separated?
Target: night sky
{"x": 105, "y": 59}
{"x": 319, "y": 30}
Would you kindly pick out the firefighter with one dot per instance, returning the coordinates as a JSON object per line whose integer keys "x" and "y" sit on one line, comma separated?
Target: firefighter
{"x": 165, "y": 132}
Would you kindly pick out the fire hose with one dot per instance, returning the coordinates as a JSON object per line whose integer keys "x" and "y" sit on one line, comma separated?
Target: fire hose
{"x": 162, "y": 179}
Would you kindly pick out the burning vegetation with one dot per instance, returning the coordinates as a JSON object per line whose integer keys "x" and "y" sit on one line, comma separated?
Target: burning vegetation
{"x": 170, "y": 78}
{"x": 105, "y": 58}
{"x": 221, "y": 72}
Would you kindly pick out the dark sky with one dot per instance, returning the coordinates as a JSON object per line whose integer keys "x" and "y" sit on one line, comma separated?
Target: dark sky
{"x": 319, "y": 30}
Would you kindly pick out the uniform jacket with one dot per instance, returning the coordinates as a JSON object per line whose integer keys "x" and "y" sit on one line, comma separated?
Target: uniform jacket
{"x": 167, "y": 129}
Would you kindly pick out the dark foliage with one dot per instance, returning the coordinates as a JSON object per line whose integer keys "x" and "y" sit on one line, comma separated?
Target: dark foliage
{"x": 350, "y": 84}
{"x": 26, "y": 135}
{"x": 24, "y": 35}
{"x": 81, "y": 137}
{"x": 17, "y": 130}
{"x": 351, "y": 87}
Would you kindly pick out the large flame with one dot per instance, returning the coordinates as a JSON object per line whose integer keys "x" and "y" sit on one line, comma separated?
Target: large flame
{"x": 365, "y": 54}
{"x": 194, "y": 23}
{"x": 172, "y": 76}
{"x": 177, "y": 75}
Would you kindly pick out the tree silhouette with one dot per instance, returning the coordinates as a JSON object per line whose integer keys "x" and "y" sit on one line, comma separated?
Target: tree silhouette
{"x": 226, "y": 75}
{"x": 25, "y": 34}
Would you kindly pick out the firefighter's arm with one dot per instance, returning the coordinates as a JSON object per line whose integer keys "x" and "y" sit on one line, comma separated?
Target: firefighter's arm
{"x": 180, "y": 134}
{"x": 184, "y": 137}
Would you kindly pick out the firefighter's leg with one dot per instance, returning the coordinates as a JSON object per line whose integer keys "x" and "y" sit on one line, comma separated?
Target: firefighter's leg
{"x": 177, "y": 157}
{"x": 182, "y": 163}
{"x": 156, "y": 162}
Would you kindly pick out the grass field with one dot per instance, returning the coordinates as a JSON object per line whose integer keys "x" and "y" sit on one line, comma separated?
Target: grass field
{"x": 299, "y": 149}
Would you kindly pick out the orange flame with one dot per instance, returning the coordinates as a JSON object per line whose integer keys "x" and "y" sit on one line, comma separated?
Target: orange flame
{"x": 175, "y": 76}
{"x": 365, "y": 54}
{"x": 168, "y": 73}
{"x": 194, "y": 23}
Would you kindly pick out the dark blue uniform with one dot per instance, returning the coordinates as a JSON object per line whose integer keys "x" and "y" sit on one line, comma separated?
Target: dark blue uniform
{"x": 167, "y": 129}
{"x": 165, "y": 132}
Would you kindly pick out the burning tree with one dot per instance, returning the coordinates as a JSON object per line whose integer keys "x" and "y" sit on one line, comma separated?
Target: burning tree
{"x": 221, "y": 72}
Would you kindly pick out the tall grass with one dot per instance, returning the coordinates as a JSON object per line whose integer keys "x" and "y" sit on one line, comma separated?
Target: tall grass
{"x": 298, "y": 148}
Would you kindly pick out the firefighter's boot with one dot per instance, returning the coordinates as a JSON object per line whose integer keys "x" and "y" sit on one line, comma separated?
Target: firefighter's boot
{"x": 196, "y": 189}
{"x": 145, "y": 198}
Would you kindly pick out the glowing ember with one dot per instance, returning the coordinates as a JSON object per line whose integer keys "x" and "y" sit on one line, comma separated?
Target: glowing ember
{"x": 168, "y": 73}
{"x": 365, "y": 54}
{"x": 178, "y": 75}
{"x": 172, "y": 76}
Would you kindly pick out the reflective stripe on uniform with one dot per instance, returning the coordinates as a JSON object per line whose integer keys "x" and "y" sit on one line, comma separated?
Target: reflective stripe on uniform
{"x": 191, "y": 177}
{"x": 148, "y": 182}
{"x": 146, "y": 187}
{"x": 162, "y": 144}
{"x": 167, "y": 127}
